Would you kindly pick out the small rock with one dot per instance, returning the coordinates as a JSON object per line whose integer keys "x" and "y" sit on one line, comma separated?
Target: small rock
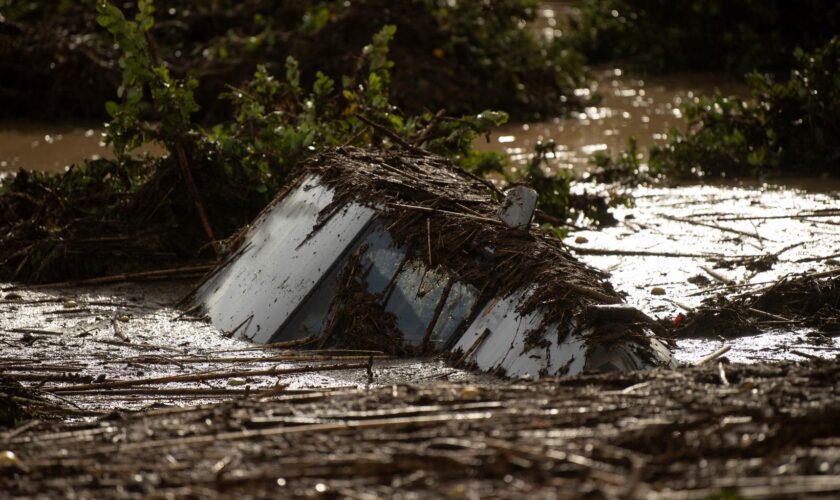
{"x": 70, "y": 304}
{"x": 581, "y": 239}
{"x": 123, "y": 318}
{"x": 13, "y": 296}
{"x": 9, "y": 460}
{"x": 236, "y": 382}
{"x": 470, "y": 391}
{"x": 699, "y": 280}
{"x": 657, "y": 290}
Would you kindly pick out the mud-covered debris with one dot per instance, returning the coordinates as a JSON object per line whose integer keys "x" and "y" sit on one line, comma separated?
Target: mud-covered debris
{"x": 718, "y": 431}
{"x": 403, "y": 252}
{"x": 808, "y": 299}
{"x": 716, "y": 322}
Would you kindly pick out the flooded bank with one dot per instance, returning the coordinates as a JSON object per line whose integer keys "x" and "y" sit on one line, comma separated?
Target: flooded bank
{"x": 679, "y": 246}
{"x": 722, "y": 225}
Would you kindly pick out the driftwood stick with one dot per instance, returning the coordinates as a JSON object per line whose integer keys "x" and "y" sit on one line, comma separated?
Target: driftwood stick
{"x": 604, "y": 471}
{"x": 771, "y": 283}
{"x": 722, "y": 374}
{"x": 118, "y": 331}
{"x": 788, "y": 247}
{"x": 446, "y": 212}
{"x": 352, "y": 425}
{"x": 35, "y": 331}
{"x": 768, "y": 315}
{"x": 800, "y": 215}
{"x": 41, "y": 368}
{"x": 595, "y": 294}
{"x": 429, "y": 240}
{"x": 199, "y": 377}
{"x": 182, "y": 391}
{"x": 713, "y": 226}
{"x": 713, "y": 356}
{"x": 119, "y": 278}
{"x": 806, "y": 355}
{"x": 682, "y": 306}
{"x": 304, "y": 356}
{"x": 390, "y": 134}
{"x": 424, "y": 134}
{"x": 641, "y": 253}
{"x": 717, "y": 276}
{"x": 136, "y": 345}
{"x": 47, "y": 377}
{"x": 819, "y": 257}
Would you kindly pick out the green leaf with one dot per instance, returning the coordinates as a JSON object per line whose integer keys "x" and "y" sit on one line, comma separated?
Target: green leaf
{"x": 112, "y": 108}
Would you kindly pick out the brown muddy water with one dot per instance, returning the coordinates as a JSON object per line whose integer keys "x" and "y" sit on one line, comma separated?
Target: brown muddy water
{"x": 718, "y": 223}
{"x": 645, "y": 109}
{"x": 53, "y": 147}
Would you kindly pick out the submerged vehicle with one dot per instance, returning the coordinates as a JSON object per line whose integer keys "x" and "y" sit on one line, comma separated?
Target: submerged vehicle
{"x": 407, "y": 254}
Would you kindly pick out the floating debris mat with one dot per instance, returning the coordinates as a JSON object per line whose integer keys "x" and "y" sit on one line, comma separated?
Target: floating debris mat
{"x": 404, "y": 253}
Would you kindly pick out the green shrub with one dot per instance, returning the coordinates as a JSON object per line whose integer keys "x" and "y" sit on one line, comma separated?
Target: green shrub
{"x": 129, "y": 213}
{"x": 789, "y": 127}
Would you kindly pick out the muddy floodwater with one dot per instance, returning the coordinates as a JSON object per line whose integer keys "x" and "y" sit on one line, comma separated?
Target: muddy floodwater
{"x": 689, "y": 242}
{"x": 644, "y": 109}
{"x": 53, "y": 147}
{"x": 77, "y": 336}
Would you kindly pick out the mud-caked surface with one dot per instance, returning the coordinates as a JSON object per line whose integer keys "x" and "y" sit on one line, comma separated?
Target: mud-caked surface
{"x": 723, "y": 431}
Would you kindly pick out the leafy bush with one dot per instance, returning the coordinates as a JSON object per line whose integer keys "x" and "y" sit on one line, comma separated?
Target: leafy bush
{"x": 626, "y": 168}
{"x": 734, "y": 36}
{"x": 110, "y": 216}
{"x": 789, "y": 127}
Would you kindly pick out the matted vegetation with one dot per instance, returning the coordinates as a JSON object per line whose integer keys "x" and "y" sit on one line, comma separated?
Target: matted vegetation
{"x": 720, "y": 432}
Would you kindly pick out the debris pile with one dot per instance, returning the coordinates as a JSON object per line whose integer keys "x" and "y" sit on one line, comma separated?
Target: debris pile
{"x": 811, "y": 300}
{"x": 725, "y": 431}
{"x": 403, "y": 252}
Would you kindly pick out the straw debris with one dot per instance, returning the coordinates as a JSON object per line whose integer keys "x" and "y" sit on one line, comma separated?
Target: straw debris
{"x": 447, "y": 217}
